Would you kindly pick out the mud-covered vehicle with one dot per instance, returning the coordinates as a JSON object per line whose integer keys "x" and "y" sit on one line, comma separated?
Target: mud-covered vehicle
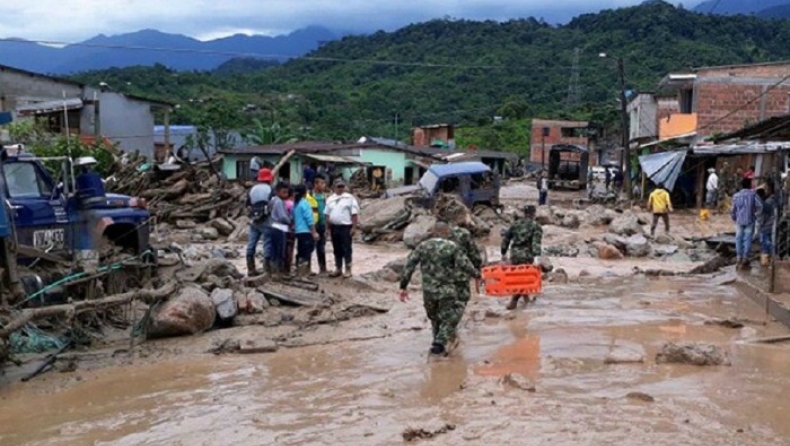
{"x": 474, "y": 182}
{"x": 69, "y": 222}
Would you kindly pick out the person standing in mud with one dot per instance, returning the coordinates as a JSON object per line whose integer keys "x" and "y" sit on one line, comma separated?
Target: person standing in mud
{"x": 746, "y": 209}
{"x": 766, "y": 229}
{"x": 441, "y": 262}
{"x": 304, "y": 228}
{"x": 318, "y": 197}
{"x": 463, "y": 238}
{"x": 280, "y": 225}
{"x": 258, "y": 213}
{"x": 523, "y": 239}
{"x": 660, "y": 205}
{"x": 342, "y": 212}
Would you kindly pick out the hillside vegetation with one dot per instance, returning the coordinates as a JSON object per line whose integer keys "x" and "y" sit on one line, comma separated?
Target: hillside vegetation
{"x": 465, "y": 72}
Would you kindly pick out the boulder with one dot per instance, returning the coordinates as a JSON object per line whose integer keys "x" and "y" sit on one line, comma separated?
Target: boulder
{"x": 544, "y": 215}
{"x": 378, "y": 213}
{"x": 240, "y": 233}
{"x": 545, "y": 264}
{"x": 693, "y": 354}
{"x": 208, "y": 233}
{"x": 637, "y": 246}
{"x": 223, "y": 226}
{"x": 558, "y": 276}
{"x": 598, "y": 215}
{"x": 669, "y": 239}
{"x": 396, "y": 265}
{"x": 664, "y": 250}
{"x": 626, "y": 225}
{"x": 616, "y": 241}
{"x": 679, "y": 257}
{"x": 419, "y": 230}
{"x": 186, "y": 224}
{"x": 624, "y": 356}
{"x": 608, "y": 252}
{"x": 225, "y": 304}
{"x": 221, "y": 268}
{"x": 190, "y": 312}
{"x": 571, "y": 221}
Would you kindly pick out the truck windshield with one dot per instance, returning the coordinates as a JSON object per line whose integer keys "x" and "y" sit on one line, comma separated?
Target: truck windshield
{"x": 429, "y": 181}
{"x": 22, "y": 181}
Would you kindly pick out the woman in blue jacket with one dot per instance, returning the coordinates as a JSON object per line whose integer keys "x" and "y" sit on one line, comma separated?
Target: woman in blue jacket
{"x": 304, "y": 228}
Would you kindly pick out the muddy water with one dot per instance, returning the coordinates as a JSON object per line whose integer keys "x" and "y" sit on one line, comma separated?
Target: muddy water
{"x": 367, "y": 393}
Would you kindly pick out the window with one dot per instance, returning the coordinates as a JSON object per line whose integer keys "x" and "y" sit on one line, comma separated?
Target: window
{"x": 243, "y": 172}
{"x": 23, "y": 181}
{"x": 686, "y": 101}
{"x": 450, "y": 185}
{"x": 483, "y": 180}
{"x": 572, "y": 132}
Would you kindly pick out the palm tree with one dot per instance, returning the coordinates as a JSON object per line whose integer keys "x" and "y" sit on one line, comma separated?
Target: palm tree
{"x": 265, "y": 135}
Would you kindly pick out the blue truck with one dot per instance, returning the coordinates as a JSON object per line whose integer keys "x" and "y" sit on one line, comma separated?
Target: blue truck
{"x": 65, "y": 221}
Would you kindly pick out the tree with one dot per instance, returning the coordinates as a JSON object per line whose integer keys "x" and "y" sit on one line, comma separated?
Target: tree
{"x": 265, "y": 135}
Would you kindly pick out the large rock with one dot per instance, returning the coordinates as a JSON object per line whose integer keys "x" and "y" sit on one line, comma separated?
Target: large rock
{"x": 626, "y": 225}
{"x": 561, "y": 251}
{"x": 571, "y": 221}
{"x": 378, "y": 213}
{"x": 225, "y": 303}
{"x": 669, "y": 239}
{"x": 616, "y": 241}
{"x": 208, "y": 233}
{"x": 637, "y": 246}
{"x": 190, "y": 312}
{"x": 607, "y": 251}
{"x": 545, "y": 264}
{"x": 693, "y": 354}
{"x": 544, "y": 215}
{"x": 665, "y": 250}
{"x": 598, "y": 215}
{"x": 223, "y": 226}
{"x": 419, "y": 230}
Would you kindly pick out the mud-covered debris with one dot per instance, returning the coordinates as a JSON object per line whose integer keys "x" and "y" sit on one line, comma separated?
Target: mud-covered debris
{"x": 637, "y": 246}
{"x": 561, "y": 251}
{"x": 257, "y": 345}
{"x": 519, "y": 381}
{"x": 224, "y": 346}
{"x": 414, "y": 434}
{"x": 189, "y": 312}
{"x": 712, "y": 265}
{"x": 727, "y": 323}
{"x": 223, "y": 226}
{"x": 624, "y": 356}
{"x": 692, "y": 354}
{"x": 641, "y": 396}
{"x": 208, "y": 233}
{"x": 544, "y": 216}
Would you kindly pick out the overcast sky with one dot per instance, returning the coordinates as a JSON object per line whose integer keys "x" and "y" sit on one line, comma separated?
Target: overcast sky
{"x": 74, "y": 20}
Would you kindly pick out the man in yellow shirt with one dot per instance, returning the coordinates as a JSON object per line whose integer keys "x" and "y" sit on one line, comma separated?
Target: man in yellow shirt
{"x": 660, "y": 205}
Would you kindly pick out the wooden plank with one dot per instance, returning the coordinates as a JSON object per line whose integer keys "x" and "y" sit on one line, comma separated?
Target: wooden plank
{"x": 29, "y": 251}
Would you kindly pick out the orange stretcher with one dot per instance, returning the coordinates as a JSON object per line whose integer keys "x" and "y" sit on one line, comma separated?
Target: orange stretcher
{"x": 512, "y": 280}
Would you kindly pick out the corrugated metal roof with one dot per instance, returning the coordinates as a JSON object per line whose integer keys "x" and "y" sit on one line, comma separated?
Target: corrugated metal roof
{"x": 49, "y": 106}
{"x": 459, "y": 168}
{"x": 334, "y": 159}
{"x": 663, "y": 168}
{"x": 745, "y": 148}
{"x": 772, "y": 129}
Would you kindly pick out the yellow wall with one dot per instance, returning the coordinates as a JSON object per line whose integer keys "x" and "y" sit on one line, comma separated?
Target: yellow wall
{"x": 676, "y": 125}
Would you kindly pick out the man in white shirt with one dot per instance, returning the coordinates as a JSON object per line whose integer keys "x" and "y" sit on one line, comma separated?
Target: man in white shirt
{"x": 712, "y": 189}
{"x": 342, "y": 216}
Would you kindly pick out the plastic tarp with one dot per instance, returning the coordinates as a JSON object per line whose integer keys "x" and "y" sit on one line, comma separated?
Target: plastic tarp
{"x": 663, "y": 168}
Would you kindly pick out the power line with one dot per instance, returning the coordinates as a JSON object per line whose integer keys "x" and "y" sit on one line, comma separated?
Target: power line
{"x": 278, "y": 56}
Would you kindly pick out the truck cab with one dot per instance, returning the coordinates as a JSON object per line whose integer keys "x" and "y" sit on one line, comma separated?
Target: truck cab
{"x": 55, "y": 217}
{"x": 474, "y": 182}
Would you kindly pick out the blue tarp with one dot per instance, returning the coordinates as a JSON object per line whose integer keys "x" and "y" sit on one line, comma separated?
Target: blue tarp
{"x": 663, "y": 168}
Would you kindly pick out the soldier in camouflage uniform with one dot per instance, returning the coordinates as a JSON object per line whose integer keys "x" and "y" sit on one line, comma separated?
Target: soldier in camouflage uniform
{"x": 523, "y": 239}
{"x": 441, "y": 262}
{"x": 463, "y": 238}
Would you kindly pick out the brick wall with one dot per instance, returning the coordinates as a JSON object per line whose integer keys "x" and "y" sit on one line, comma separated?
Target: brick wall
{"x": 554, "y": 137}
{"x": 715, "y": 101}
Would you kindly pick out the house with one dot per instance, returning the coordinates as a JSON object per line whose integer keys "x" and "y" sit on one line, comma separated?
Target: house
{"x": 398, "y": 163}
{"x": 73, "y": 108}
{"x": 643, "y": 117}
{"x": 548, "y": 133}
{"x": 435, "y": 135}
{"x": 724, "y": 99}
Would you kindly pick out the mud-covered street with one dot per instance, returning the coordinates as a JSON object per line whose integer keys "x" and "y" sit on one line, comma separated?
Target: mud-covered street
{"x": 579, "y": 366}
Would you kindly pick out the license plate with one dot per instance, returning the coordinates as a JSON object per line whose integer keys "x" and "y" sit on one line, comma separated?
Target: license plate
{"x": 49, "y": 239}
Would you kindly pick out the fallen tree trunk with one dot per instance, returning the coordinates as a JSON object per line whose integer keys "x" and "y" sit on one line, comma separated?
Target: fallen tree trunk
{"x": 32, "y": 314}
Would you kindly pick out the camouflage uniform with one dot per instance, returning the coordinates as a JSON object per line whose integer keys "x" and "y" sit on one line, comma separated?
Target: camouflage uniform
{"x": 442, "y": 262}
{"x": 463, "y": 238}
{"x": 523, "y": 239}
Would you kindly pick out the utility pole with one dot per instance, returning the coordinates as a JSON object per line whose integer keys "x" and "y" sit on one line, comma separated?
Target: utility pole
{"x": 396, "y": 126}
{"x": 626, "y": 139}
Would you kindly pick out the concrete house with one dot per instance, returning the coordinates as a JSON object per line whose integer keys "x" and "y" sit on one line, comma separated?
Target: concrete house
{"x": 717, "y": 100}
{"x": 548, "y": 133}
{"x": 73, "y": 108}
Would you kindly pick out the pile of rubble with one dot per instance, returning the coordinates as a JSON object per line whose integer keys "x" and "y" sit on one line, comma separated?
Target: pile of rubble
{"x": 193, "y": 192}
{"x": 402, "y": 219}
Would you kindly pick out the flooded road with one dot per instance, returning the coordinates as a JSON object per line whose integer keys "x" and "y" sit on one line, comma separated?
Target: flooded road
{"x": 368, "y": 392}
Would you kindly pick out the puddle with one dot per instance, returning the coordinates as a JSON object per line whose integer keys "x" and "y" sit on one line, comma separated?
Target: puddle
{"x": 368, "y": 392}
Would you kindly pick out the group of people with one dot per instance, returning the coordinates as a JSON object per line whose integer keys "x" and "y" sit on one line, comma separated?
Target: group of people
{"x": 449, "y": 260}
{"x": 303, "y": 217}
{"x": 753, "y": 210}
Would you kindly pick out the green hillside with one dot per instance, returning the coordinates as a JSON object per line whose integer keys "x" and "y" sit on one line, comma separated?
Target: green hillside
{"x": 465, "y": 72}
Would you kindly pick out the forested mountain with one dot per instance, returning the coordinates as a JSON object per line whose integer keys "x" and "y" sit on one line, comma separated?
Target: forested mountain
{"x": 145, "y": 48}
{"x": 466, "y": 72}
{"x": 737, "y": 6}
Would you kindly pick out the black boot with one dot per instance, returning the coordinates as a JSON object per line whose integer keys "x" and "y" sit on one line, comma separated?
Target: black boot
{"x": 251, "y": 271}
